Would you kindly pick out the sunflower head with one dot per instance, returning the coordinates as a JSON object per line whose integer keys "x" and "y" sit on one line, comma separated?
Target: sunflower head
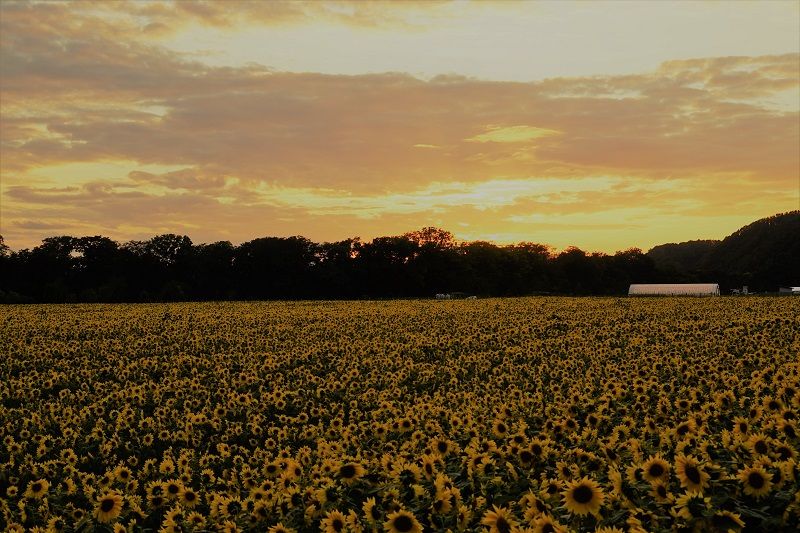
{"x": 334, "y": 522}
{"x": 402, "y": 521}
{"x": 755, "y": 481}
{"x": 691, "y": 473}
{"x": 37, "y": 489}
{"x": 371, "y": 510}
{"x": 499, "y": 520}
{"x": 655, "y": 468}
{"x": 109, "y": 507}
{"x": 350, "y": 472}
{"x": 583, "y": 496}
{"x": 727, "y": 521}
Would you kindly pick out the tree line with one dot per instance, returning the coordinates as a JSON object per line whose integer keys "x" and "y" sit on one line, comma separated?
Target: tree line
{"x": 417, "y": 264}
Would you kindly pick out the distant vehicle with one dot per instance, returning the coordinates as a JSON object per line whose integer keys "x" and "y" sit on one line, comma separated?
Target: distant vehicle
{"x": 744, "y": 291}
{"x": 674, "y": 289}
{"x": 454, "y": 296}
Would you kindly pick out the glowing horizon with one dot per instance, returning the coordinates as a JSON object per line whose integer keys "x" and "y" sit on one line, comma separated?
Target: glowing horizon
{"x": 565, "y": 123}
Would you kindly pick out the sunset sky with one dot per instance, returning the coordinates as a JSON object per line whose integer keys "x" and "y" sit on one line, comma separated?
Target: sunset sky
{"x": 603, "y": 125}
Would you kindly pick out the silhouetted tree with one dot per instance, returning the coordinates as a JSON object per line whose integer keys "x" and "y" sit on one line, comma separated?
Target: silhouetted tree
{"x": 335, "y": 269}
{"x": 382, "y": 266}
{"x": 763, "y": 255}
{"x": 96, "y": 265}
{"x": 578, "y": 271}
{"x": 274, "y": 267}
{"x": 211, "y": 271}
{"x": 431, "y": 237}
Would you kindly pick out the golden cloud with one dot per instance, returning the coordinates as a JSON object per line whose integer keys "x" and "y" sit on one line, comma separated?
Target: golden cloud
{"x": 183, "y": 142}
{"x": 511, "y": 134}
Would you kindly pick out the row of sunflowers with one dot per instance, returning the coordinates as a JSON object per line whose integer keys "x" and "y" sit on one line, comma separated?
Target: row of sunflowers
{"x": 500, "y": 415}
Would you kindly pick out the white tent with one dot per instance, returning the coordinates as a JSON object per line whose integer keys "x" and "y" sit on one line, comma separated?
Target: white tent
{"x": 674, "y": 289}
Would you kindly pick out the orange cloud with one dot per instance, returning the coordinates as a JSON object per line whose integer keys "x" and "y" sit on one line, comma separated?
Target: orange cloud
{"x": 512, "y": 134}
{"x": 252, "y": 151}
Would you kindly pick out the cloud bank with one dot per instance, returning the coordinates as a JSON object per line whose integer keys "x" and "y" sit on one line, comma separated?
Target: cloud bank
{"x": 106, "y": 131}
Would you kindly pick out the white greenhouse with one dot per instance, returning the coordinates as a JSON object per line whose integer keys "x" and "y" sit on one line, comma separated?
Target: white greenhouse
{"x": 674, "y": 289}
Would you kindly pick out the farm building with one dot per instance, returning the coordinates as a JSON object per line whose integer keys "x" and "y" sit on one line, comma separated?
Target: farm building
{"x": 674, "y": 289}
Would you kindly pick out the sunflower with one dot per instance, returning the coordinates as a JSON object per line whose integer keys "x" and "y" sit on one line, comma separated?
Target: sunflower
{"x": 195, "y": 519}
{"x": 741, "y": 425}
{"x": 785, "y": 452}
{"x": 685, "y": 429}
{"x": 538, "y": 448}
{"x": 172, "y": 489}
{"x": 349, "y": 472}
{"x": 526, "y": 456}
{"x": 229, "y": 526}
{"x": 333, "y": 522}
{"x": 499, "y": 520}
{"x": 231, "y": 507}
{"x": 692, "y": 505}
{"x": 156, "y": 501}
{"x": 547, "y": 524}
{"x": 371, "y": 510}
{"x": 174, "y": 517}
{"x": 280, "y": 528}
{"x": 583, "y": 496}
{"x": 442, "y": 504}
{"x": 402, "y": 521}
{"x": 499, "y": 428}
{"x": 691, "y": 474}
{"x": 189, "y": 498}
{"x": 271, "y": 469}
{"x": 108, "y": 507}
{"x": 758, "y": 444}
{"x": 167, "y": 466}
{"x": 122, "y": 473}
{"x": 428, "y": 467}
{"x": 727, "y": 521}
{"x": 756, "y": 481}
{"x": 37, "y": 489}
{"x": 550, "y": 487}
{"x": 655, "y": 468}
{"x": 788, "y": 429}
{"x": 463, "y": 517}
{"x": 56, "y": 524}
{"x": 441, "y": 446}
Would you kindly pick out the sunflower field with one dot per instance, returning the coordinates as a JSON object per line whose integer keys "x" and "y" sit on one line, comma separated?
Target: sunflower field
{"x": 528, "y": 414}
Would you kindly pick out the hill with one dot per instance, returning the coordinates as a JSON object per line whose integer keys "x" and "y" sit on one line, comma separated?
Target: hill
{"x": 683, "y": 257}
{"x": 763, "y": 255}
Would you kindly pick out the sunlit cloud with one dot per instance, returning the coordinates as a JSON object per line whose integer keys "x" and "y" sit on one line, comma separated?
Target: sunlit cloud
{"x": 110, "y": 124}
{"x": 435, "y": 197}
{"x": 512, "y": 134}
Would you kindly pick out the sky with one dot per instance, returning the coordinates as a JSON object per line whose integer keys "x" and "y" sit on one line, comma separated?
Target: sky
{"x": 602, "y": 125}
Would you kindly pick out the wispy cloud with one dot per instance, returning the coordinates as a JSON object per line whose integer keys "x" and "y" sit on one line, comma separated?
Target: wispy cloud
{"x": 511, "y": 134}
